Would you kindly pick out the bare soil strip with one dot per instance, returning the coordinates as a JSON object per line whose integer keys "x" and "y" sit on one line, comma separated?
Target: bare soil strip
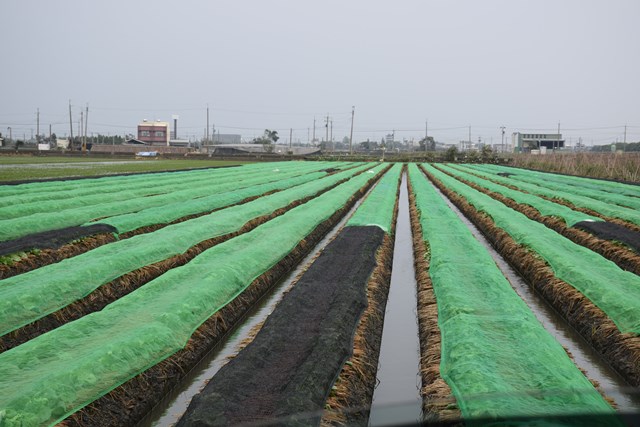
{"x": 622, "y": 351}
{"x": 129, "y": 403}
{"x": 623, "y": 257}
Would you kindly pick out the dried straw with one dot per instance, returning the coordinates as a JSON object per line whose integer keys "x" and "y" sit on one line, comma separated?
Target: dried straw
{"x": 128, "y": 403}
{"x": 620, "y": 350}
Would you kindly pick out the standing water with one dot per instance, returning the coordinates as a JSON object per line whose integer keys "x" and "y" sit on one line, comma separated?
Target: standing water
{"x": 396, "y": 399}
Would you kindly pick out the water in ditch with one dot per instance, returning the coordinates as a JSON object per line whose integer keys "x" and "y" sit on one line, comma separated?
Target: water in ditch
{"x": 585, "y": 357}
{"x": 396, "y": 399}
{"x": 171, "y": 408}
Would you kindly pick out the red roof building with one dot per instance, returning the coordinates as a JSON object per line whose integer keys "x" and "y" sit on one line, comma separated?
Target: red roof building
{"x": 154, "y": 133}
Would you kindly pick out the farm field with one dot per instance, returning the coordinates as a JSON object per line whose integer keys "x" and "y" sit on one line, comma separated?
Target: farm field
{"x": 113, "y": 288}
{"x": 19, "y": 168}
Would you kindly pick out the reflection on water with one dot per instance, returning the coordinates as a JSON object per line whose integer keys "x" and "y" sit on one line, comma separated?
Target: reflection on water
{"x": 397, "y": 396}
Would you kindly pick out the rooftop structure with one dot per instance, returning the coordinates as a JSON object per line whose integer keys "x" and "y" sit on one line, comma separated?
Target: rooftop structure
{"x": 525, "y": 142}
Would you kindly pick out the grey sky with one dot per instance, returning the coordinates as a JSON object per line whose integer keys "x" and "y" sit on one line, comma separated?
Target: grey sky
{"x": 278, "y": 64}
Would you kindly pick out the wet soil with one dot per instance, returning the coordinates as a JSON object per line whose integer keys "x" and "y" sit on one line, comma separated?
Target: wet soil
{"x": 292, "y": 363}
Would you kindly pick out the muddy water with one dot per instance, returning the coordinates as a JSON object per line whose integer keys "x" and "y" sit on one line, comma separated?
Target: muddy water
{"x": 175, "y": 404}
{"x": 396, "y": 398}
{"x": 584, "y": 356}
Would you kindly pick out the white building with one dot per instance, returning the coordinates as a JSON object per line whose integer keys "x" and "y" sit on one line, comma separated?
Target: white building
{"x": 525, "y": 142}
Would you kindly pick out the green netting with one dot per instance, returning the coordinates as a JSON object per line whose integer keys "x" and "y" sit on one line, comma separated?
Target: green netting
{"x": 32, "y": 295}
{"x": 46, "y": 187}
{"x": 45, "y": 221}
{"x": 603, "y": 208}
{"x": 57, "y": 373}
{"x": 613, "y": 290}
{"x": 578, "y": 181}
{"x": 543, "y": 206}
{"x": 378, "y": 207}
{"x": 497, "y": 358}
{"x": 22, "y": 206}
{"x": 226, "y": 196}
{"x": 606, "y": 193}
{"x": 59, "y": 190}
{"x": 27, "y": 204}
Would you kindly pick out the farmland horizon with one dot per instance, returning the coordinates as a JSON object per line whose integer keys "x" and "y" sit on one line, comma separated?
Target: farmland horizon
{"x": 408, "y": 69}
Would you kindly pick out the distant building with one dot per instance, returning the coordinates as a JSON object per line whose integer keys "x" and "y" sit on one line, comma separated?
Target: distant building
{"x": 227, "y": 138}
{"x": 154, "y": 133}
{"x": 239, "y": 149}
{"x": 525, "y": 142}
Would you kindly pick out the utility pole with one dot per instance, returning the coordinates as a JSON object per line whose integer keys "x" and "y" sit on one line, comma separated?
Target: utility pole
{"x": 207, "y": 137}
{"x": 353, "y": 112}
{"x": 331, "y": 131}
{"x": 86, "y": 122}
{"x": 326, "y": 126}
{"x": 70, "y": 122}
{"x": 427, "y": 147}
{"x": 558, "y": 137}
{"x": 38, "y": 125}
{"x": 469, "y": 136}
{"x": 624, "y": 147}
{"x": 80, "y": 123}
{"x": 502, "y": 128}
{"x": 314, "y": 130}
{"x": 290, "y": 136}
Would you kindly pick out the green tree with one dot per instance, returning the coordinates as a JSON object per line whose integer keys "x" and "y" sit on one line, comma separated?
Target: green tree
{"x": 268, "y": 139}
{"x": 427, "y": 144}
{"x": 450, "y": 154}
{"x": 365, "y": 145}
{"x": 486, "y": 153}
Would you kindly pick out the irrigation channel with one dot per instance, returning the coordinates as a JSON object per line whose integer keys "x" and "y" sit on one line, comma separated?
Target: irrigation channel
{"x": 396, "y": 398}
{"x": 585, "y": 357}
{"x": 171, "y": 408}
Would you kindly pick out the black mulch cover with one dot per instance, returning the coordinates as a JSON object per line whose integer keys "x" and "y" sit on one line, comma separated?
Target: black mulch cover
{"x": 291, "y": 365}
{"x": 53, "y": 239}
{"x": 610, "y": 231}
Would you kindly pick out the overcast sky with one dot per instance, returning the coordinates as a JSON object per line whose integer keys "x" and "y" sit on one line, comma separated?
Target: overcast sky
{"x": 258, "y": 64}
